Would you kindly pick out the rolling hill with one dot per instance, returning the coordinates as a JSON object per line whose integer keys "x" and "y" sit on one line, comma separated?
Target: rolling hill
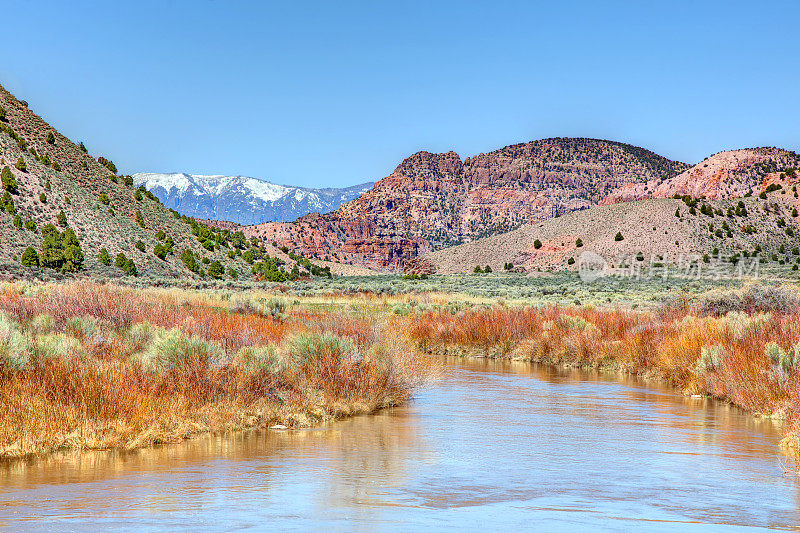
{"x": 656, "y": 230}
{"x": 724, "y": 175}
{"x": 60, "y": 208}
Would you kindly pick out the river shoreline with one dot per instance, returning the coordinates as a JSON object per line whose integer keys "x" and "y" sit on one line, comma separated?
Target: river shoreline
{"x": 85, "y": 366}
{"x": 732, "y": 358}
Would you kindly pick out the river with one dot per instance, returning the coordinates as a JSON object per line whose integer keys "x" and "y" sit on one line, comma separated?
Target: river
{"x": 492, "y": 445}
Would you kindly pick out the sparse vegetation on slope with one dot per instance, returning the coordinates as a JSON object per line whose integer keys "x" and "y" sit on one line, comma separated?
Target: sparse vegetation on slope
{"x": 49, "y": 180}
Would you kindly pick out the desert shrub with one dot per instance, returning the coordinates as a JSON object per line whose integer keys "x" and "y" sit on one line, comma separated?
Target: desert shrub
{"x": 51, "y": 139}
{"x": 56, "y": 346}
{"x": 216, "y": 270}
{"x": 43, "y": 198}
{"x": 262, "y": 358}
{"x": 788, "y": 360}
{"x": 242, "y": 304}
{"x": 401, "y": 309}
{"x": 140, "y": 336}
{"x": 82, "y": 328}
{"x": 9, "y": 182}
{"x": 30, "y": 226}
{"x": 752, "y": 298}
{"x": 21, "y": 165}
{"x": 742, "y": 325}
{"x": 30, "y": 258}
{"x": 104, "y": 199}
{"x": 537, "y": 244}
{"x": 130, "y": 268}
{"x": 174, "y": 350}
{"x": 308, "y": 348}
{"x": 140, "y": 246}
{"x": 104, "y": 257}
{"x": 139, "y": 219}
{"x": 275, "y": 308}
{"x": 160, "y": 251}
{"x": 618, "y": 237}
{"x": 42, "y": 324}
{"x": 61, "y": 251}
{"x": 710, "y": 359}
{"x": 13, "y": 351}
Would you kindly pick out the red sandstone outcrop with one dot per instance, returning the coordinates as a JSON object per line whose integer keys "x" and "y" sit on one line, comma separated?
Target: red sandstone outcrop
{"x": 722, "y": 176}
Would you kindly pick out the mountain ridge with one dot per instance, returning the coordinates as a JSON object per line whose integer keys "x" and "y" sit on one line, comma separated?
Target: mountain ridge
{"x": 434, "y": 200}
{"x": 242, "y": 199}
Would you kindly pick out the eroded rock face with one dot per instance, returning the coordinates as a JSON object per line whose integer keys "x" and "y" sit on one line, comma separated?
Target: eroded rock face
{"x": 432, "y": 200}
{"x": 723, "y": 176}
{"x": 443, "y": 200}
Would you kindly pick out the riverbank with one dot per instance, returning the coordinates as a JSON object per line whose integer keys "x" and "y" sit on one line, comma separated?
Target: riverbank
{"x": 89, "y": 366}
{"x": 86, "y": 366}
{"x": 740, "y": 346}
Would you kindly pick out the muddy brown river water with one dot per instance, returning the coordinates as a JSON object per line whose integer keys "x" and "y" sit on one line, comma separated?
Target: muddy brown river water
{"x": 492, "y": 446}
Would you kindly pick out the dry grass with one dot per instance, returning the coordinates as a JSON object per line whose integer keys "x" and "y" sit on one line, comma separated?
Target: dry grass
{"x": 86, "y": 366}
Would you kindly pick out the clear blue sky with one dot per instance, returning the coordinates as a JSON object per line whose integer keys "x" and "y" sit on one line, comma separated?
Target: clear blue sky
{"x": 335, "y": 93}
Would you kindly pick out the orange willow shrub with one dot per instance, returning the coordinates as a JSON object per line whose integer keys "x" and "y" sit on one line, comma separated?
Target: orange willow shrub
{"x": 87, "y": 366}
{"x": 124, "y": 307}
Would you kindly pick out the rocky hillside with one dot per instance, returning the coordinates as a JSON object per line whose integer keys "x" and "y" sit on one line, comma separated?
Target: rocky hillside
{"x": 435, "y": 200}
{"x": 242, "y": 199}
{"x": 655, "y": 230}
{"x": 60, "y": 208}
{"x": 724, "y": 175}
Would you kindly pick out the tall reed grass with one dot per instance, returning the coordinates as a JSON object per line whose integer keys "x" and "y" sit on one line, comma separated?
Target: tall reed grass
{"x": 86, "y": 366}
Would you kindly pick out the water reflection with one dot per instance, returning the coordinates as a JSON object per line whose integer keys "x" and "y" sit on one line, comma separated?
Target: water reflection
{"x": 503, "y": 444}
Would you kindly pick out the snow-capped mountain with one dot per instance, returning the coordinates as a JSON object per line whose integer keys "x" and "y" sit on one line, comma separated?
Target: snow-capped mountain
{"x": 242, "y": 199}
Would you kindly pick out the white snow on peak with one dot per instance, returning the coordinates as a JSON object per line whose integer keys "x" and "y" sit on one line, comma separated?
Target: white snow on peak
{"x": 269, "y": 192}
{"x": 241, "y": 198}
{"x": 213, "y": 184}
{"x": 176, "y": 180}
